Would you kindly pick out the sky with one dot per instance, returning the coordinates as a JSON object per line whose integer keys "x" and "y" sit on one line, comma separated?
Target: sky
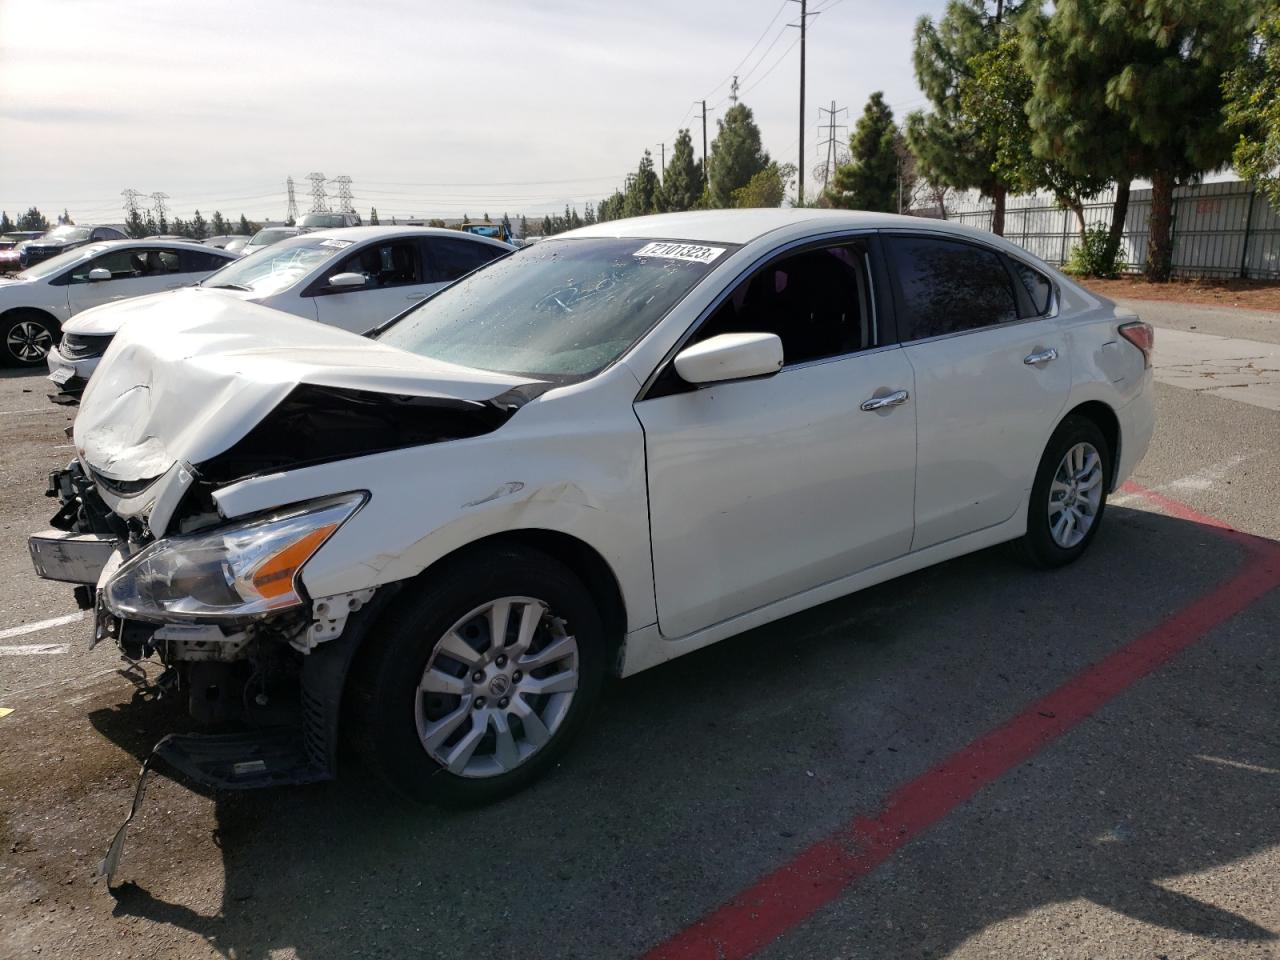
{"x": 432, "y": 108}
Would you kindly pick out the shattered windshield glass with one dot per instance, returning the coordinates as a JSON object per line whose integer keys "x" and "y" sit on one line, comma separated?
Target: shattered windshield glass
{"x": 560, "y": 310}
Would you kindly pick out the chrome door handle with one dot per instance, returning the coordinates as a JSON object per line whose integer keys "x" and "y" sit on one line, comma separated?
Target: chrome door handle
{"x": 1044, "y": 356}
{"x": 897, "y": 398}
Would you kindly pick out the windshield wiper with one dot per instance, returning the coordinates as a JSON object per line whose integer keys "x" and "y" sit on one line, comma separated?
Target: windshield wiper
{"x": 225, "y": 286}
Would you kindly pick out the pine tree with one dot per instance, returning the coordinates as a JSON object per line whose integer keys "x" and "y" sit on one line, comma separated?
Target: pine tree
{"x": 524, "y": 226}
{"x": 767, "y": 188}
{"x": 198, "y": 226}
{"x": 506, "y": 225}
{"x": 217, "y": 225}
{"x": 246, "y": 228}
{"x": 135, "y": 226}
{"x": 736, "y": 155}
{"x": 589, "y": 214}
{"x": 149, "y": 225}
{"x": 643, "y": 193}
{"x": 6, "y": 225}
{"x": 869, "y": 181}
{"x": 546, "y": 226}
{"x": 33, "y": 219}
{"x": 373, "y": 217}
{"x": 682, "y": 180}
{"x": 66, "y": 218}
{"x": 1115, "y": 88}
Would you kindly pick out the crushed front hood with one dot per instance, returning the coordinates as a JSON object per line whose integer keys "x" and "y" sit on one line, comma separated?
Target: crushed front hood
{"x": 190, "y": 374}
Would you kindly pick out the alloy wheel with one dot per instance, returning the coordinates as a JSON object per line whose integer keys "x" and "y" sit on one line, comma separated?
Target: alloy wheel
{"x": 28, "y": 341}
{"x": 1075, "y": 495}
{"x": 497, "y": 687}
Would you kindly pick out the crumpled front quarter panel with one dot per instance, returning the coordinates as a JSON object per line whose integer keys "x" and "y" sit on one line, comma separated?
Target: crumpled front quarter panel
{"x": 571, "y": 461}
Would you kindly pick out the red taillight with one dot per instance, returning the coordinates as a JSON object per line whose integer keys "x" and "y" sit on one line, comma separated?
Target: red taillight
{"x": 1141, "y": 335}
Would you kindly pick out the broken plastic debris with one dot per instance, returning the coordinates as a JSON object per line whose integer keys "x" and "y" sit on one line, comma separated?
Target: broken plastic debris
{"x": 107, "y": 868}
{"x": 5, "y": 711}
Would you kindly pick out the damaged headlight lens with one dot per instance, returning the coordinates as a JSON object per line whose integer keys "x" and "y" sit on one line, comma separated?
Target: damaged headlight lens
{"x": 232, "y": 573}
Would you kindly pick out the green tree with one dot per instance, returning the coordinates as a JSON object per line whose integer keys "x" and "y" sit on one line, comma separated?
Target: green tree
{"x": 33, "y": 219}
{"x": 1253, "y": 106}
{"x": 643, "y": 193}
{"x": 436, "y": 222}
{"x": 682, "y": 180}
{"x": 736, "y": 155}
{"x": 135, "y": 226}
{"x": 179, "y": 227}
{"x": 524, "y": 225}
{"x": 767, "y": 188}
{"x": 217, "y": 225}
{"x": 373, "y": 217}
{"x": 199, "y": 228}
{"x": 610, "y": 208}
{"x": 6, "y": 225}
{"x": 949, "y": 145}
{"x": 869, "y": 181}
{"x": 589, "y": 213}
{"x": 996, "y": 93}
{"x": 506, "y": 225}
{"x": 246, "y": 228}
{"x": 66, "y": 218}
{"x": 1132, "y": 89}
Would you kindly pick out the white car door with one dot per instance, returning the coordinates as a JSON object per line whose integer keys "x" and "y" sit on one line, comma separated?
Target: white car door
{"x": 991, "y": 376}
{"x": 761, "y": 489}
{"x": 394, "y": 281}
{"x": 134, "y": 271}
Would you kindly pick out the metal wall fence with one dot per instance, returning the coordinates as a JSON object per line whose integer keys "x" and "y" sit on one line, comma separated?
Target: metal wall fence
{"x": 1224, "y": 229}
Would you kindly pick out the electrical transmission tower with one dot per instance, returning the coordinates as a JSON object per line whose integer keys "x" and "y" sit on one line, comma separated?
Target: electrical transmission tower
{"x": 733, "y": 90}
{"x": 157, "y": 206}
{"x": 318, "y": 204}
{"x": 831, "y": 143}
{"x": 345, "y": 204}
{"x": 291, "y": 214}
{"x": 131, "y": 202}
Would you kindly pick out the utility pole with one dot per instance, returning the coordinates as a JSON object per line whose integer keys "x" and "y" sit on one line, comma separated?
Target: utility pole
{"x": 662, "y": 169}
{"x": 291, "y": 214}
{"x": 705, "y": 178}
{"x": 833, "y": 156}
{"x": 804, "y": 20}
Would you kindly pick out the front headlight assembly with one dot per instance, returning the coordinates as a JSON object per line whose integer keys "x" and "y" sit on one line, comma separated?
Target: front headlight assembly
{"x": 231, "y": 574}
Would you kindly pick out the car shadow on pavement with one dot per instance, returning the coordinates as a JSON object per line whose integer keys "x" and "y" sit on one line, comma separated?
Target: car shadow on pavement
{"x": 701, "y": 775}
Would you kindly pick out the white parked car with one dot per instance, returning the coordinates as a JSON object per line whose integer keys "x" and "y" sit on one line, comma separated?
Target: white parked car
{"x": 353, "y": 282}
{"x": 265, "y": 238}
{"x": 356, "y": 277}
{"x": 605, "y": 451}
{"x": 36, "y": 304}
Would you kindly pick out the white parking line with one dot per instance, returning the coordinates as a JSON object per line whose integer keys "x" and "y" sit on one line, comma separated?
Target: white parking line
{"x": 41, "y": 625}
{"x": 9, "y": 413}
{"x": 30, "y": 649}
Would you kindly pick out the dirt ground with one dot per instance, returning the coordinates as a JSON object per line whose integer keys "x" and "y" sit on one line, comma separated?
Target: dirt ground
{"x": 1234, "y": 292}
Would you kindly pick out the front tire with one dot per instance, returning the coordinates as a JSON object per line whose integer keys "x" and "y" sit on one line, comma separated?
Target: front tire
{"x": 1069, "y": 494}
{"x": 473, "y": 686}
{"x": 26, "y": 337}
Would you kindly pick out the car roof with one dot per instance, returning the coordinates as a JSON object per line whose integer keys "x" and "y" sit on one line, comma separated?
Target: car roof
{"x": 103, "y": 246}
{"x": 743, "y": 226}
{"x": 373, "y": 233}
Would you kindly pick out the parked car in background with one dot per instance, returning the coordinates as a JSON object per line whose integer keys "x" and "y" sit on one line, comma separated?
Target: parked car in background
{"x": 36, "y": 304}
{"x": 604, "y": 452}
{"x": 11, "y": 248}
{"x": 328, "y": 221}
{"x": 221, "y": 240}
{"x": 236, "y": 245}
{"x": 356, "y": 277}
{"x": 266, "y": 237}
{"x": 64, "y": 238}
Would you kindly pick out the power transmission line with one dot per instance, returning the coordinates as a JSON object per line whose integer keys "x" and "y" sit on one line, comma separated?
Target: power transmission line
{"x": 345, "y": 204}
{"x": 157, "y": 205}
{"x": 292, "y": 212}
{"x": 318, "y": 204}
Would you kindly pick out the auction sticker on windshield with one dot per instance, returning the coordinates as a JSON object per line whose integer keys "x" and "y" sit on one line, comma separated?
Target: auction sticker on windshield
{"x": 339, "y": 244}
{"x": 694, "y": 252}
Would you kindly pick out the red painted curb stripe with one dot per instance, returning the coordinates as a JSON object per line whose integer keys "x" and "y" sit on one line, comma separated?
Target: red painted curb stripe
{"x": 817, "y": 875}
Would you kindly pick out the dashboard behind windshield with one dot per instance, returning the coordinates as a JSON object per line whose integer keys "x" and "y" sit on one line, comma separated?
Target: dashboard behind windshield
{"x": 276, "y": 267}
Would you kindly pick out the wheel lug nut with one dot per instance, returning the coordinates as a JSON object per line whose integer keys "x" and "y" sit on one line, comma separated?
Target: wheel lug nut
{"x": 479, "y": 703}
{"x": 517, "y": 676}
{"x": 501, "y": 661}
{"x": 478, "y": 676}
{"x": 503, "y": 702}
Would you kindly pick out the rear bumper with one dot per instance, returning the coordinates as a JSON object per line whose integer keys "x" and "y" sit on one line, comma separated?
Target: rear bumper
{"x": 1137, "y": 425}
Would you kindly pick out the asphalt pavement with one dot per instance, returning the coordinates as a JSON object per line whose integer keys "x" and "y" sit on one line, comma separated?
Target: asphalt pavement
{"x": 978, "y": 760}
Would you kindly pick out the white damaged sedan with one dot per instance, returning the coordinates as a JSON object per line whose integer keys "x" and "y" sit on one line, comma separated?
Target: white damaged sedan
{"x": 602, "y": 452}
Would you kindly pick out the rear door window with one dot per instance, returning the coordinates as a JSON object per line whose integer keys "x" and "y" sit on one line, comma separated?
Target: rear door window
{"x": 1039, "y": 289}
{"x": 949, "y": 286}
{"x": 201, "y": 261}
{"x": 447, "y": 259}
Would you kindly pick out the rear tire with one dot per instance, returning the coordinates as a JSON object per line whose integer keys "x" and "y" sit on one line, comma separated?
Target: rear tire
{"x": 447, "y": 714}
{"x": 26, "y": 337}
{"x": 1069, "y": 494}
